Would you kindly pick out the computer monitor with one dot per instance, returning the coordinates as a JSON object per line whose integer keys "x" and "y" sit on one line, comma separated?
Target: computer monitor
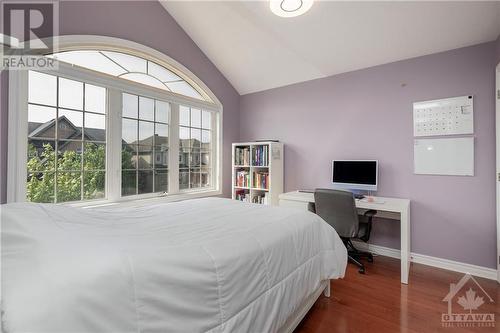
{"x": 355, "y": 174}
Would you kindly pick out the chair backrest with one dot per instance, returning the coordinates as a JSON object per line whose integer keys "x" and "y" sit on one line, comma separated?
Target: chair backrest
{"x": 338, "y": 209}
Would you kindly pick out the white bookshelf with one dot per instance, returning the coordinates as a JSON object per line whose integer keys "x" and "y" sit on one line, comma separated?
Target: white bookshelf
{"x": 256, "y": 168}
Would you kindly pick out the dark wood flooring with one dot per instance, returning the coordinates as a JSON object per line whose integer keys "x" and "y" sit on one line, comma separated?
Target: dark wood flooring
{"x": 378, "y": 302}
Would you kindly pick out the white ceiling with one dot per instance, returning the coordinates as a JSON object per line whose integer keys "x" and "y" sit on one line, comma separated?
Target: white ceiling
{"x": 257, "y": 50}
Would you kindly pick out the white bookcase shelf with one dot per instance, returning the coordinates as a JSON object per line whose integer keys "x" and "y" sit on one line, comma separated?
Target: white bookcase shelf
{"x": 257, "y": 171}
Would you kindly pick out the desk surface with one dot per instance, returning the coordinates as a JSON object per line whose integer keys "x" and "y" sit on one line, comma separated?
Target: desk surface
{"x": 380, "y": 203}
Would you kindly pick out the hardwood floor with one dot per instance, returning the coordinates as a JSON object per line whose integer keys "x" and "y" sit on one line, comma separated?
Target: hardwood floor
{"x": 378, "y": 302}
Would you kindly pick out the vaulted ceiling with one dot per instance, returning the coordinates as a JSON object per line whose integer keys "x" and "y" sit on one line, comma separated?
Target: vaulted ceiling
{"x": 257, "y": 50}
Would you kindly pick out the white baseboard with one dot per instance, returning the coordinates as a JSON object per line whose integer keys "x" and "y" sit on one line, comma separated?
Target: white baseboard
{"x": 484, "y": 272}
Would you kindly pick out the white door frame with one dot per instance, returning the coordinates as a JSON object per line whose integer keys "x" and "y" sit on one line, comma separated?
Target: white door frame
{"x": 497, "y": 99}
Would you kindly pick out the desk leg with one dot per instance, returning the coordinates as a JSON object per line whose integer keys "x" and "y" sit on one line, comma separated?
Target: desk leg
{"x": 405, "y": 245}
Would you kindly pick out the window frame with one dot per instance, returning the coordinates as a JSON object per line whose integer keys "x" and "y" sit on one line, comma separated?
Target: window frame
{"x": 18, "y": 119}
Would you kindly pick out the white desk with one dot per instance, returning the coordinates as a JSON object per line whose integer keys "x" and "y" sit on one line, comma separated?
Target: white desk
{"x": 389, "y": 208}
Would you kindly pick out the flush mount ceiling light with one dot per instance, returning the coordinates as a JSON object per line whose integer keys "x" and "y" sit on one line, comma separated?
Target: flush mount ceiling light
{"x": 290, "y": 8}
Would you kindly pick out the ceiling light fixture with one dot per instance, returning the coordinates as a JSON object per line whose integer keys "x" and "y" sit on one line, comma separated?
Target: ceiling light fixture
{"x": 290, "y": 8}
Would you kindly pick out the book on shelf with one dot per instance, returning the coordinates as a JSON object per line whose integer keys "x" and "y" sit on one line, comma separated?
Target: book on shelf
{"x": 262, "y": 198}
{"x": 242, "y": 178}
{"x": 242, "y": 156}
{"x": 261, "y": 156}
{"x": 241, "y": 195}
{"x": 261, "y": 179}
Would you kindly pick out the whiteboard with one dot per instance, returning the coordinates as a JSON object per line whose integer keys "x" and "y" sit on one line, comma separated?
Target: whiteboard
{"x": 444, "y": 156}
{"x": 449, "y": 116}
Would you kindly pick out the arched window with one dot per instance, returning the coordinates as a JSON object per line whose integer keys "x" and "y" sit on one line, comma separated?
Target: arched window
{"x": 131, "y": 67}
{"x": 115, "y": 121}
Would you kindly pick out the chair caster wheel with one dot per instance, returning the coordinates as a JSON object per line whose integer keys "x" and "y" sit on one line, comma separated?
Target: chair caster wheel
{"x": 370, "y": 259}
{"x": 361, "y": 271}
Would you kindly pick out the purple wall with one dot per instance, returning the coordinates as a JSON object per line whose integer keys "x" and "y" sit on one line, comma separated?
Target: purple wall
{"x": 367, "y": 114}
{"x": 148, "y": 23}
{"x": 498, "y": 50}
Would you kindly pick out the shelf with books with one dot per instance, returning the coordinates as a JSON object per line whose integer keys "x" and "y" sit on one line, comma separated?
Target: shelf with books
{"x": 242, "y": 195}
{"x": 242, "y": 178}
{"x": 260, "y": 198}
{"x": 241, "y": 155}
{"x": 260, "y": 155}
{"x": 257, "y": 170}
{"x": 260, "y": 179}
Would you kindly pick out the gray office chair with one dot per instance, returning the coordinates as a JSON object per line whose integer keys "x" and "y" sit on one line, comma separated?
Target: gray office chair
{"x": 338, "y": 209}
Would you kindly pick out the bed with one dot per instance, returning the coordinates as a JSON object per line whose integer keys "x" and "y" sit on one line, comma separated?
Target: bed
{"x": 203, "y": 265}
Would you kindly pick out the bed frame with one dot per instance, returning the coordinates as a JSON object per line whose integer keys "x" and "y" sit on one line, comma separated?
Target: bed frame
{"x": 296, "y": 317}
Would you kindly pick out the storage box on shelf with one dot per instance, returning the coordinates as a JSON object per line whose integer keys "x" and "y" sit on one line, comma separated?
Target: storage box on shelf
{"x": 257, "y": 172}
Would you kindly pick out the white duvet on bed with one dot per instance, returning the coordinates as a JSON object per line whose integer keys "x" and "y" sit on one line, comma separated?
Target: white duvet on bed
{"x": 206, "y": 265}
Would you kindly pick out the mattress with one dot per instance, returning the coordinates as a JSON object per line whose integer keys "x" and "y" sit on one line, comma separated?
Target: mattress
{"x": 203, "y": 265}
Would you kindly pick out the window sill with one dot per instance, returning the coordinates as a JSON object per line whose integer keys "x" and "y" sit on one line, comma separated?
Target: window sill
{"x": 124, "y": 202}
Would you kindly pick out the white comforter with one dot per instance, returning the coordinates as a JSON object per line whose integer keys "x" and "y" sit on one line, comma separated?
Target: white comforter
{"x": 207, "y": 265}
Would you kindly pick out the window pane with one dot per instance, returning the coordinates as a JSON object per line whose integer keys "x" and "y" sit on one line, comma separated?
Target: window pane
{"x": 205, "y": 139}
{"x": 95, "y": 125}
{"x": 90, "y": 59}
{"x": 195, "y": 137}
{"x": 129, "y": 130}
{"x": 194, "y": 178}
{"x": 161, "y": 181}
{"x": 161, "y": 157}
{"x": 69, "y": 157}
{"x": 42, "y": 88}
{"x": 69, "y": 186}
{"x": 162, "y": 111}
{"x": 206, "y": 120}
{"x": 146, "y": 133}
{"x": 70, "y": 124}
{"x": 41, "y": 155}
{"x": 93, "y": 185}
{"x": 129, "y": 182}
{"x": 146, "y": 109}
{"x": 130, "y": 106}
{"x": 41, "y": 121}
{"x": 195, "y": 118}
{"x": 70, "y": 94}
{"x": 144, "y": 79}
{"x": 55, "y": 162}
{"x": 183, "y": 179}
{"x": 184, "y": 137}
{"x": 205, "y": 158}
{"x": 195, "y": 158}
{"x": 129, "y": 156}
{"x": 94, "y": 156}
{"x": 145, "y": 181}
{"x": 205, "y": 177}
{"x": 95, "y": 98}
{"x": 161, "y": 134}
{"x": 161, "y": 73}
{"x": 129, "y": 62}
{"x": 145, "y": 157}
{"x": 184, "y": 158}
{"x": 184, "y": 116}
{"x": 40, "y": 187}
{"x": 183, "y": 88}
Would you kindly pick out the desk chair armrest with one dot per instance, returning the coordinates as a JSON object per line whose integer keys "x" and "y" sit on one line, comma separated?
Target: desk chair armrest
{"x": 370, "y": 213}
